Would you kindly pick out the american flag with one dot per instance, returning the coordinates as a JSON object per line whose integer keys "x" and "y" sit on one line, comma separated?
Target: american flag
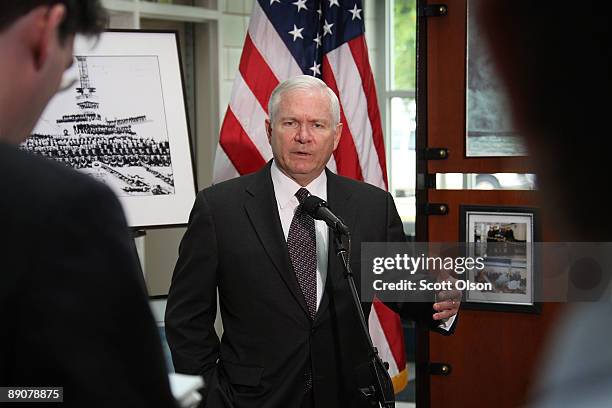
{"x": 326, "y": 39}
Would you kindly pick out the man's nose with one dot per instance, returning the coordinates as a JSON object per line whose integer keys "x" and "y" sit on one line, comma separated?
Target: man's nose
{"x": 304, "y": 134}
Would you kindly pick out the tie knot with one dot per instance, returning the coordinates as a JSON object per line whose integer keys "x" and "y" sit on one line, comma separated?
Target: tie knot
{"x": 301, "y": 194}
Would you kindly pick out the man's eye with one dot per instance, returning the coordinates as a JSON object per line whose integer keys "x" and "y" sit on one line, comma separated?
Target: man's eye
{"x": 289, "y": 123}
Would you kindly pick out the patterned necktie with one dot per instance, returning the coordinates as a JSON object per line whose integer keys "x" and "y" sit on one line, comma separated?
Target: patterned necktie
{"x": 301, "y": 242}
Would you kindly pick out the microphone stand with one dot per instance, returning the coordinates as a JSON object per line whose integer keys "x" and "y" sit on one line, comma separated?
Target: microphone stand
{"x": 381, "y": 393}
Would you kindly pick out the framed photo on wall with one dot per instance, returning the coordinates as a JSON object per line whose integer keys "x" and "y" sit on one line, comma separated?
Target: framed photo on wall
{"x": 123, "y": 121}
{"x": 503, "y": 237}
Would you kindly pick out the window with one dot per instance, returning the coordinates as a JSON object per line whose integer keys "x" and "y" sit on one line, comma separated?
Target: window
{"x": 396, "y": 37}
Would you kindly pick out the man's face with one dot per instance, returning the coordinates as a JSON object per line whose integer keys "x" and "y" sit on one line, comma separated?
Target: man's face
{"x": 303, "y": 135}
{"x": 39, "y": 60}
{"x": 59, "y": 60}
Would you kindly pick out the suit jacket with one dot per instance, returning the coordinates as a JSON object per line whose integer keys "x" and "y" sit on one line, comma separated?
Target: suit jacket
{"x": 73, "y": 310}
{"x": 235, "y": 244}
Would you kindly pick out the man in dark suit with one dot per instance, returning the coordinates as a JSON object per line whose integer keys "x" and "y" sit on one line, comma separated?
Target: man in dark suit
{"x": 72, "y": 303}
{"x": 291, "y": 334}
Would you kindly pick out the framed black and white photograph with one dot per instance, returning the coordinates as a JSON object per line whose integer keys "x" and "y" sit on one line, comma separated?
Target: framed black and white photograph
{"x": 123, "y": 121}
{"x": 490, "y": 131}
{"x": 503, "y": 237}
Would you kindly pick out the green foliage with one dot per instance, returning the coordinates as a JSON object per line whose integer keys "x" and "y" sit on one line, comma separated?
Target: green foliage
{"x": 404, "y": 45}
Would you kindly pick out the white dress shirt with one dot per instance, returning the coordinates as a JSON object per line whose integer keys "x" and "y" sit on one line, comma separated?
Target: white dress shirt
{"x": 284, "y": 190}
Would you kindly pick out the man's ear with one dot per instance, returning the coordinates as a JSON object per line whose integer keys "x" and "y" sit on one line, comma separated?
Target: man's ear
{"x": 269, "y": 130}
{"x": 337, "y": 135}
{"x": 45, "y": 32}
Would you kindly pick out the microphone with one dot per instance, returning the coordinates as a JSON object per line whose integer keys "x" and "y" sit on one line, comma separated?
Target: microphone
{"x": 318, "y": 209}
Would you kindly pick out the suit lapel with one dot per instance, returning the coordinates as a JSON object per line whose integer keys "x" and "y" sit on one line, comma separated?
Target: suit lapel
{"x": 338, "y": 194}
{"x": 262, "y": 211}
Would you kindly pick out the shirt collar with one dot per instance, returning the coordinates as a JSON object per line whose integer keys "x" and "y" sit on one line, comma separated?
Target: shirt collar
{"x": 285, "y": 187}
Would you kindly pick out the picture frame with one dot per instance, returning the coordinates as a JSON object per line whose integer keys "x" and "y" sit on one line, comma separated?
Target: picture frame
{"x": 123, "y": 120}
{"x": 489, "y": 127}
{"x": 504, "y": 237}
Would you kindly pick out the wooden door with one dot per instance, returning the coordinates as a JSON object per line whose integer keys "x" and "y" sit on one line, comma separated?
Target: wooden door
{"x": 492, "y": 355}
